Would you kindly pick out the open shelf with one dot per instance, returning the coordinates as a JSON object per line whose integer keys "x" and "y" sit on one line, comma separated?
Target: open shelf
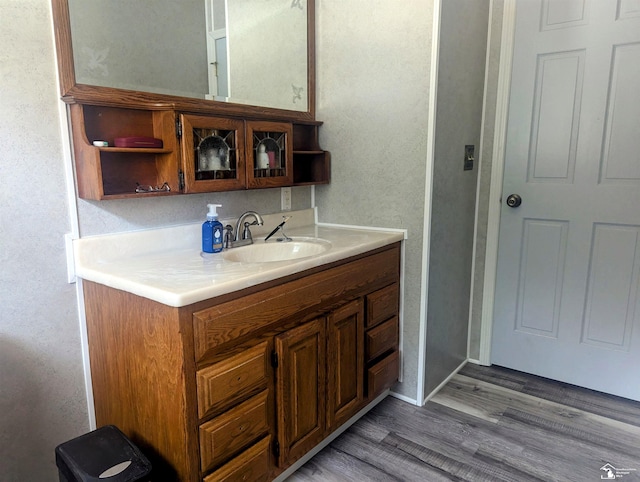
{"x": 311, "y": 164}
{"x": 255, "y": 153}
{"x": 116, "y": 172}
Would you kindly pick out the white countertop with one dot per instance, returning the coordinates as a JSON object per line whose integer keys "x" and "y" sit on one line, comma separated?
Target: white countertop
{"x": 166, "y": 264}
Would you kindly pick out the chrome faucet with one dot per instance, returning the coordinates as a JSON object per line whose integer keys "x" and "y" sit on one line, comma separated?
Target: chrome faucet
{"x": 233, "y": 241}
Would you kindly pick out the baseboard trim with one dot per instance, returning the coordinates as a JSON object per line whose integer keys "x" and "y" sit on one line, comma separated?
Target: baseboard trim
{"x": 445, "y": 381}
{"x": 404, "y": 398}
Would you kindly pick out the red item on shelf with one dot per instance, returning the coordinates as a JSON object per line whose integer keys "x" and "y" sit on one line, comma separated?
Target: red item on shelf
{"x": 138, "y": 142}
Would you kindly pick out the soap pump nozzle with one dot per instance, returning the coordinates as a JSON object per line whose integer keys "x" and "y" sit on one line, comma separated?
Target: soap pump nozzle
{"x": 213, "y": 214}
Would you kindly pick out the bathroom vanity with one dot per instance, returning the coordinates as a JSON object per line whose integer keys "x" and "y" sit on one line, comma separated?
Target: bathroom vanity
{"x": 231, "y": 370}
{"x": 220, "y": 367}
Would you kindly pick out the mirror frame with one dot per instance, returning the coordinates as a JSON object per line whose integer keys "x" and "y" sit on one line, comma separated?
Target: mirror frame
{"x": 73, "y": 93}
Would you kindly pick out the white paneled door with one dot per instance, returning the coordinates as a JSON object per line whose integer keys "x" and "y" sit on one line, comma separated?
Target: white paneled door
{"x": 567, "y": 301}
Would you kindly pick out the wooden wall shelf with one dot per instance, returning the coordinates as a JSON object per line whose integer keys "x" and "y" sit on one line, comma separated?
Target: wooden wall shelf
{"x": 115, "y": 172}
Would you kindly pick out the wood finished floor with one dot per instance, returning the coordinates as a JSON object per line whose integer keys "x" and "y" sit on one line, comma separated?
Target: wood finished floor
{"x": 488, "y": 424}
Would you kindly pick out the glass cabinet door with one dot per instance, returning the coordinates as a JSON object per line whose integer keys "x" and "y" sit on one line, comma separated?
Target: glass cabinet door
{"x": 213, "y": 157}
{"x": 269, "y": 147}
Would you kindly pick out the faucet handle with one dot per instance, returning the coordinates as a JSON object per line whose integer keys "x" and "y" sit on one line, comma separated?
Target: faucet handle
{"x": 246, "y": 233}
{"x": 228, "y": 236}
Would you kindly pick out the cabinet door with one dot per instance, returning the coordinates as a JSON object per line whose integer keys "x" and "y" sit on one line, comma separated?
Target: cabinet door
{"x": 269, "y": 154}
{"x": 345, "y": 360}
{"x": 300, "y": 389}
{"x": 212, "y": 153}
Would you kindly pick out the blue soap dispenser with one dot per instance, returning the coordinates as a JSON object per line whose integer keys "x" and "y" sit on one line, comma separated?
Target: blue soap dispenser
{"x": 212, "y": 231}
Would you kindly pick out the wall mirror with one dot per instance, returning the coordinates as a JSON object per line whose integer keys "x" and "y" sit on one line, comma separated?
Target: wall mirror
{"x": 245, "y": 57}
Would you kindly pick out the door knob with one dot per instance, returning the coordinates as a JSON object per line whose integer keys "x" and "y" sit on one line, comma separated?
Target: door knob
{"x": 514, "y": 200}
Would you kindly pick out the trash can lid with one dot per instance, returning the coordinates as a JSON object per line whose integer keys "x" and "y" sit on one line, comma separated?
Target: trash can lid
{"x": 105, "y": 453}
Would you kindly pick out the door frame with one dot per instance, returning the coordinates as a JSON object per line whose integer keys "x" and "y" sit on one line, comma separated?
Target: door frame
{"x": 497, "y": 173}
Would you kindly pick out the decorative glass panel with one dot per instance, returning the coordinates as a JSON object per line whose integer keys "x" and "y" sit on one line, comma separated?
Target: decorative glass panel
{"x": 269, "y": 150}
{"x": 215, "y": 153}
{"x": 269, "y": 154}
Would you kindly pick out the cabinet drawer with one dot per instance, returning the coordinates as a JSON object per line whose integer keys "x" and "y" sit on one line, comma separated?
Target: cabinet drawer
{"x": 381, "y": 339}
{"x": 232, "y": 379}
{"x": 221, "y": 325}
{"x": 251, "y": 465}
{"x": 232, "y": 431}
{"x": 383, "y": 374}
{"x": 382, "y": 304}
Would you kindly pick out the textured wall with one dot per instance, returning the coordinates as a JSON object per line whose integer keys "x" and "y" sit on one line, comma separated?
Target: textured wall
{"x": 103, "y": 217}
{"x": 42, "y": 399}
{"x": 461, "y": 66}
{"x": 373, "y": 91}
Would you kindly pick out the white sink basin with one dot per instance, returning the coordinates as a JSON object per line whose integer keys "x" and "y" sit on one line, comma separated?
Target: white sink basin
{"x": 261, "y": 252}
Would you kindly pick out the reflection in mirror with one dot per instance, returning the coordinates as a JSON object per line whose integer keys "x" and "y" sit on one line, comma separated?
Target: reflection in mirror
{"x": 250, "y": 52}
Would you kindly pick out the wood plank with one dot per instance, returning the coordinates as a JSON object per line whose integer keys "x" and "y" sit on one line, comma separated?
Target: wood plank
{"x": 589, "y": 446}
{"x": 486, "y": 425}
{"x": 462, "y": 437}
{"x": 610, "y": 406}
{"x": 332, "y": 465}
{"x": 388, "y": 458}
{"x": 470, "y": 469}
{"x": 489, "y": 401}
{"x": 516, "y": 450}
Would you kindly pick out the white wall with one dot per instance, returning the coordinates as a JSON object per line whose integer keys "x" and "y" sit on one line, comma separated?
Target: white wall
{"x": 42, "y": 401}
{"x": 461, "y": 66}
{"x": 373, "y": 61}
{"x": 373, "y": 64}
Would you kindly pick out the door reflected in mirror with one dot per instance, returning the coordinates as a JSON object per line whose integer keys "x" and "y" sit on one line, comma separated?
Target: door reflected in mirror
{"x": 251, "y": 52}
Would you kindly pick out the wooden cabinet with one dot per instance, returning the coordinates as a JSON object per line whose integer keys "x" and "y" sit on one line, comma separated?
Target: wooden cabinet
{"x": 319, "y": 379}
{"x": 345, "y": 389}
{"x": 270, "y": 154}
{"x": 199, "y": 153}
{"x": 213, "y": 156}
{"x": 301, "y": 379}
{"x": 235, "y": 430}
{"x": 117, "y": 172}
{"x": 241, "y": 386}
{"x": 252, "y": 466}
{"x": 381, "y": 338}
{"x": 311, "y": 165}
{"x": 241, "y": 374}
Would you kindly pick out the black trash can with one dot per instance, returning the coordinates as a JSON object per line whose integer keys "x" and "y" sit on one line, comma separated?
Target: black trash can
{"x": 104, "y": 455}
